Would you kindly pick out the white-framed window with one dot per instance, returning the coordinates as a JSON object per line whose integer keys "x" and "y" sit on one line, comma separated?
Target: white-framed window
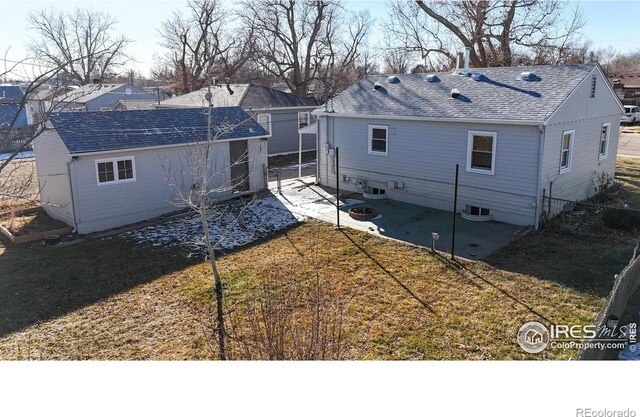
{"x": 115, "y": 170}
{"x": 304, "y": 119}
{"x": 566, "y": 151}
{"x": 604, "y": 141}
{"x": 264, "y": 120}
{"x": 378, "y": 140}
{"x": 481, "y": 152}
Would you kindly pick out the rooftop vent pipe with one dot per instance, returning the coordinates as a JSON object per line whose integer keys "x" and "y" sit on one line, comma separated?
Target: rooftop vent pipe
{"x": 393, "y": 79}
{"x": 476, "y": 76}
{"x": 377, "y": 86}
{"x": 432, "y": 78}
{"x": 527, "y": 76}
{"x": 467, "y": 52}
{"x": 455, "y": 93}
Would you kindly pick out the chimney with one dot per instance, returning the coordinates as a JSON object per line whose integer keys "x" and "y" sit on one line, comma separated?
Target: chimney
{"x": 467, "y": 51}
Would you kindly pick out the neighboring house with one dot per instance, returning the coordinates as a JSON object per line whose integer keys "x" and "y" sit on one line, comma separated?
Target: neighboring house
{"x": 95, "y": 97}
{"x": 10, "y": 105}
{"x": 281, "y": 113}
{"x": 627, "y": 87}
{"x": 99, "y": 170}
{"x": 516, "y": 133}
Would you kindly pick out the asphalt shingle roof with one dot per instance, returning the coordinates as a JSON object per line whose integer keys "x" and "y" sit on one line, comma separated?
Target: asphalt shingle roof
{"x": 89, "y": 92}
{"x": 500, "y": 93}
{"x": 248, "y": 96}
{"x": 10, "y": 94}
{"x": 8, "y": 112}
{"x": 258, "y": 97}
{"x": 129, "y": 129}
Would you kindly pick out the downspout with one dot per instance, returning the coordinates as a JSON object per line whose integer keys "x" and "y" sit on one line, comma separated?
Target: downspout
{"x": 539, "y": 203}
{"x": 73, "y": 205}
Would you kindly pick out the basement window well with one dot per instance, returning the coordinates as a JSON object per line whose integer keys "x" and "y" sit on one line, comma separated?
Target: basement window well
{"x": 374, "y": 193}
{"x": 476, "y": 213}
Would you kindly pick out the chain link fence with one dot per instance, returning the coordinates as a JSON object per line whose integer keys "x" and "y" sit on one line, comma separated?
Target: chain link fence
{"x": 626, "y": 283}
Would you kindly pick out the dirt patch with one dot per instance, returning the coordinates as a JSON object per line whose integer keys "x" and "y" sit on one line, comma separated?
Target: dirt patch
{"x": 18, "y": 185}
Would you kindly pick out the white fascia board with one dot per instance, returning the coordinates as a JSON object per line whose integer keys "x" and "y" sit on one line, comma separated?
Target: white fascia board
{"x": 433, "y": 119}
{"x": 144, "y": 148}
{"x": 292, "y": 108}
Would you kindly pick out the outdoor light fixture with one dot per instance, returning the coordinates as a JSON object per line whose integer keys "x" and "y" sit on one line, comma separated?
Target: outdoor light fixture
{"x": 612, "y": 322}
{"x": 434, "y": 237}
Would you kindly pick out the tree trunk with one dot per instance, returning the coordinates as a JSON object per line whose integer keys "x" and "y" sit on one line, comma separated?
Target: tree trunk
{"x": 222, "y": 354}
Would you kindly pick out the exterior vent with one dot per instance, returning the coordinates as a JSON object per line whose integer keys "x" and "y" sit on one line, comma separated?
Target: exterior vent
{"x": 455, "y": 93}
{"x": 432, "y": 78}
{"x": 377, "y": 86}
{"x": 476, "y": 76}
{"x": 393, "y": 79}
{"x": 527, "y": 76}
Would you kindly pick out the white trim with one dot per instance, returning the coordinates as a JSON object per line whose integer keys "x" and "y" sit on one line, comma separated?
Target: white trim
{"x": 322, "y": 113}
{"x": 114, "y": 165}
{"x": 269, "y": 125}
{"x": 386, "y": 141}
{"x": 470, "y": 137}
{"x": 602, "y": 157}
{"x": 173, "y": 145}
{"x": 572, "y": 133}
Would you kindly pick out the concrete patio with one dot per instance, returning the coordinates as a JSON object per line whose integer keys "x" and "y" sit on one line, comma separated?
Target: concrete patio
{"x": 402, "y": 221}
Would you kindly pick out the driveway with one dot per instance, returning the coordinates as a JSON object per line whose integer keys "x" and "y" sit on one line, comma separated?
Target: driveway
{"x": 629, "y": 144}
{"x": 402, "y": 221}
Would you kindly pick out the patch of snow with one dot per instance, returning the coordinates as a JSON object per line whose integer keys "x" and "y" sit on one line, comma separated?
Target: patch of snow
{"x": 231, "y": 224}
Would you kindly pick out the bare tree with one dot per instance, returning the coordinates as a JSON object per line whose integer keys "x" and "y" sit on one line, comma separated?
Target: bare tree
{"x": 303, "y": 42}
{"x": 82, "y": 43}
{"x": 200, "y": 43}
{"x": 204, "y": 177}
{"x": 496, "y": 31}
{"x": 397, "y": 61}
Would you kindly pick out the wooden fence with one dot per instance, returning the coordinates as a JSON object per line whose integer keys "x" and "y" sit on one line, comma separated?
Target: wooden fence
{"x": 625, "y": 284}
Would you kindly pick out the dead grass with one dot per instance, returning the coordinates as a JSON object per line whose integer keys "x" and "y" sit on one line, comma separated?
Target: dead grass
{"x": 22, "y": 223}
{"x": 285, "y": 160}
{"x": 118, "y": 301}
{"x": 111, "y": 299}
{"x": 18, "y": 185}
{"x": 628, "y": 174}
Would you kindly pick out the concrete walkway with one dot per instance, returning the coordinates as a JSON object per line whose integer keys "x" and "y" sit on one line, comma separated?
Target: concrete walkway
{"x": 402, "y": 221}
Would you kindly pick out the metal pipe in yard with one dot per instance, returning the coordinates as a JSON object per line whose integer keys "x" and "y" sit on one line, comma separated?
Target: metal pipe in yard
{"x": 550, "y": 189}
{"x": 337, "y": 189}
{"x": 278, "y": 181}
{"x": 455, "y": 205}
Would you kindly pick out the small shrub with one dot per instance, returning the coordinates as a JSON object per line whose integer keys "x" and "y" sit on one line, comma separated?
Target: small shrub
{"x": 604, "y": 187}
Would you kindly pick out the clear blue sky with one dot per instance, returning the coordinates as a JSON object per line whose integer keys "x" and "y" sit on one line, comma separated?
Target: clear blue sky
{"x": 612, "y": 23}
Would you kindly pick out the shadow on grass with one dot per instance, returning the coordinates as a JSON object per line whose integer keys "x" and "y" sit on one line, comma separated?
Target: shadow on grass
{"x": 389, "y": 273}
{"x": 585, "y": 263}
{"x": 461, "y": 267}
{"x": 42, "y": 283}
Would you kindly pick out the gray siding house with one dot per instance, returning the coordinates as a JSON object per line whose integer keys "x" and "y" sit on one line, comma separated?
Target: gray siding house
{"x": 100, "y": 170}
{"x": 95, "y": 97}
{"x": 283, "y": 114}
{"x": 515, "y": 132}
